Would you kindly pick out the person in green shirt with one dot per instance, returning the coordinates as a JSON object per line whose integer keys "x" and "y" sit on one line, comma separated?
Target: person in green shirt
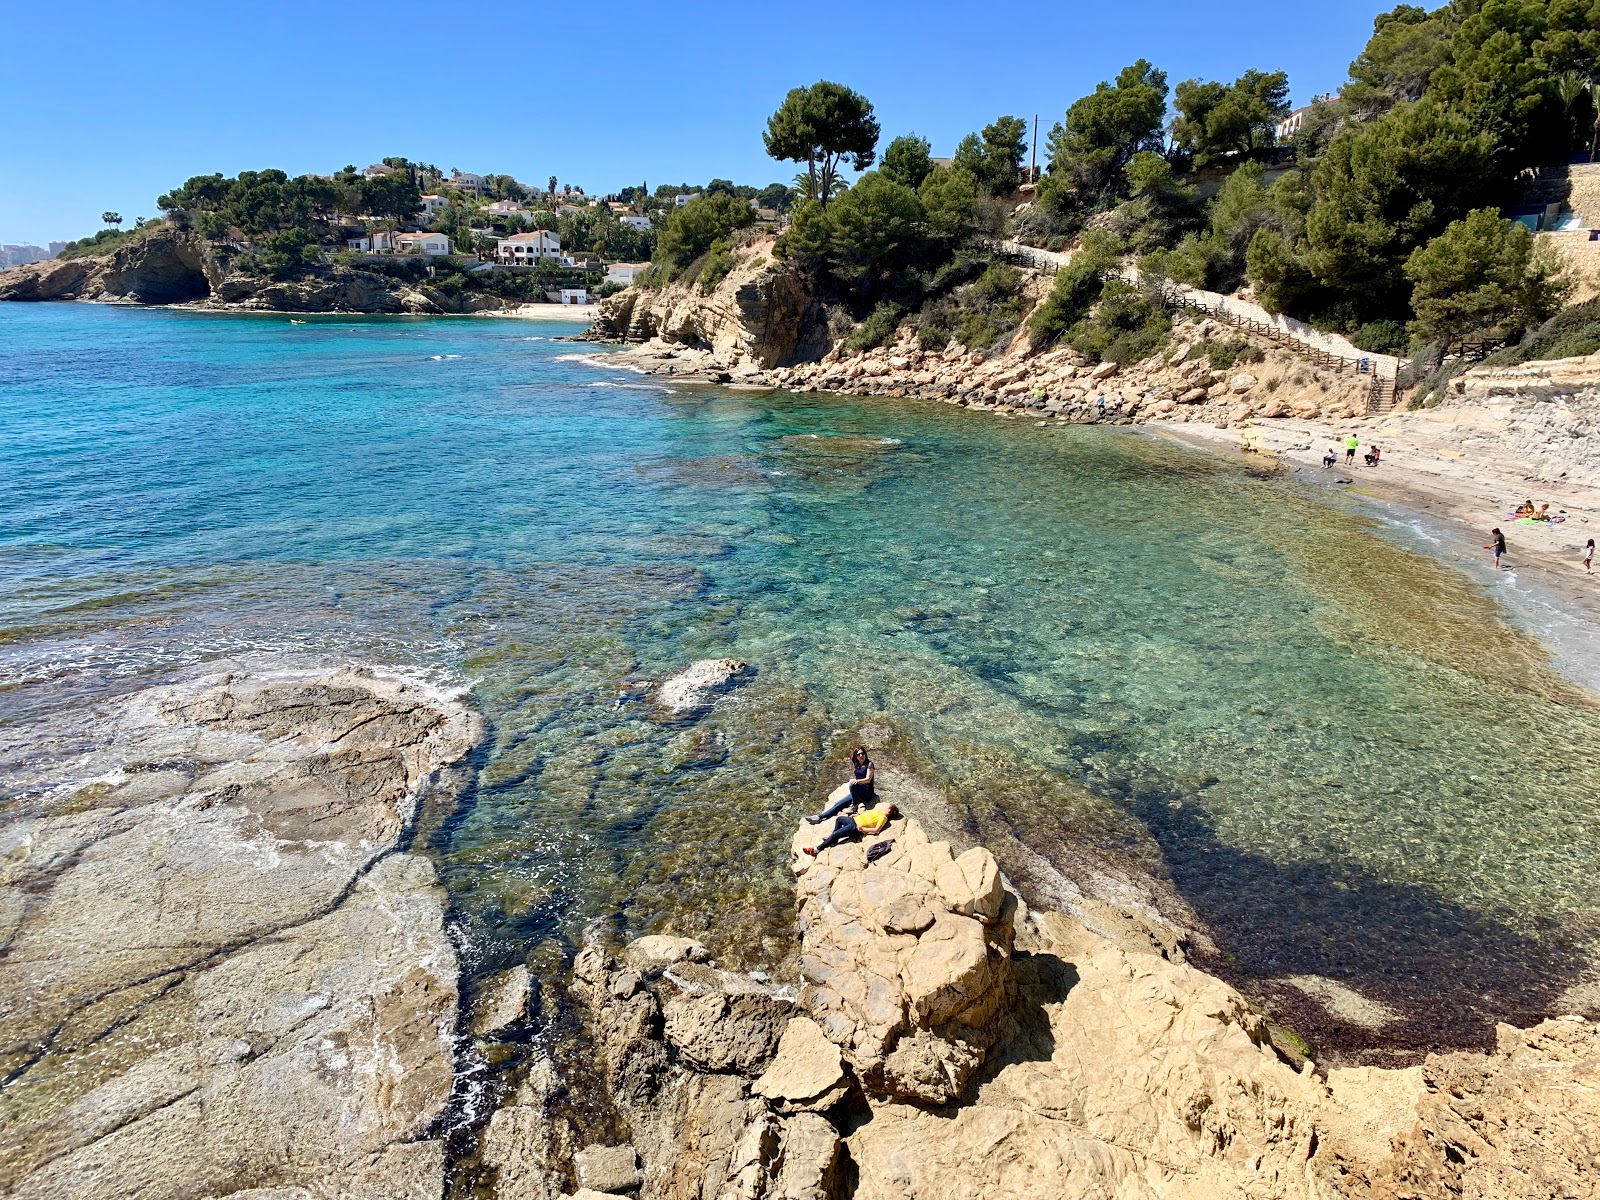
{"x": 1351, "y": 445}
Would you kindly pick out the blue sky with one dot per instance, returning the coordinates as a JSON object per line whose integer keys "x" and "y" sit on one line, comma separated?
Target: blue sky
{"x": 107, "y": 106}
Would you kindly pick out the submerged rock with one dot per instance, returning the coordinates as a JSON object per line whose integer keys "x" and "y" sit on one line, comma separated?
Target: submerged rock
{"x": 217, "y": 975}
{"x": 695, "y": 688}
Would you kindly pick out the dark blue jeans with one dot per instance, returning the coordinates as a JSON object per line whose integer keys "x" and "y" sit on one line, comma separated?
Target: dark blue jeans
{"x": 838, "y": 806}
{"x": 844, "y": 827}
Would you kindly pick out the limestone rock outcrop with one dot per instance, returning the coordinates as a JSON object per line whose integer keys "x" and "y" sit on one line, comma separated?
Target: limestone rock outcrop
{"x": 1069, "y": 1066}
{"x": 165, "y": 266}
{"x": 217, "y": 974}
{"x": 761, "y": 315}
{"x": 918, "y": 941}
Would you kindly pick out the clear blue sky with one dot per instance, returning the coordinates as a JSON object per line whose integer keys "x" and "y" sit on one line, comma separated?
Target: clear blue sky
{"x": 106, "y": 106}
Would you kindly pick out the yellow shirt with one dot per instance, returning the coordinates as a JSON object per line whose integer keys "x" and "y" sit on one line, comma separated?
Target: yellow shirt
{"x": 872, "y": 821}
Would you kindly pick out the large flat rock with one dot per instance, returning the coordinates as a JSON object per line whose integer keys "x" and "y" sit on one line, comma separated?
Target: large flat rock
{"x": 215, "y": 972}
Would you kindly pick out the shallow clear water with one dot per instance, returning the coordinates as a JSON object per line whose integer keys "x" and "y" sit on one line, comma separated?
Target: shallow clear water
{"x": 1335, "y": 748}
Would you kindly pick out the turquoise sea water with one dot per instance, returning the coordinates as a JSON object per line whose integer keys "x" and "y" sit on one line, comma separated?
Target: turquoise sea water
{"x": 1097, "y": 648}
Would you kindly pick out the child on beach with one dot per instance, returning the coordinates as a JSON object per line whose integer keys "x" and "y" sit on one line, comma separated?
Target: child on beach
{"x": 1588, "y": 557}
{"x": 1498, "y": 545}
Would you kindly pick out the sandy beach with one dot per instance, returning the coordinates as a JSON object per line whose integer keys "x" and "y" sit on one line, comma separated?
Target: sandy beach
{"x": 1440, "y": 475}
{"x": 546, "y": 312}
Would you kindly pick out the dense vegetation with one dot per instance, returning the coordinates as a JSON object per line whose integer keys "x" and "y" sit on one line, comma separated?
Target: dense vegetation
{"x": 1378, "y": 218}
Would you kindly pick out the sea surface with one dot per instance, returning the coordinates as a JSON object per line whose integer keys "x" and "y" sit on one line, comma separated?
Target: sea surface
{"x": 1092, "y": 645}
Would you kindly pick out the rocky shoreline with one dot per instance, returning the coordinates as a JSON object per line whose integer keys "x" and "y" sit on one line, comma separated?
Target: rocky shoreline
{"x": 225, "y": 974}
{"x": 219, "y": 974}
{"x": 174, "y": 267}
{"x": 945, "y": 1041}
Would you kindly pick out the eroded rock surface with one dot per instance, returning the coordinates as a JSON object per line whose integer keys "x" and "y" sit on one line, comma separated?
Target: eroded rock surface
{"x": 1060, "y": 1063}
{"x": 216, "y": 975}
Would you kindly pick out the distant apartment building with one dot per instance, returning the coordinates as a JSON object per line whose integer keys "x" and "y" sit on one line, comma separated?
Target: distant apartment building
{"x": 466, "y": 181}
{"x": 56, "y": 248}
{"x": 17, "y": 255}
{"x": 524, "y": 248}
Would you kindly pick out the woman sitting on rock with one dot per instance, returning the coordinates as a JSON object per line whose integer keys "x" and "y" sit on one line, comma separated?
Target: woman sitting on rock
{"x": 854, "y": 792}
{"x": 874, "y": 820}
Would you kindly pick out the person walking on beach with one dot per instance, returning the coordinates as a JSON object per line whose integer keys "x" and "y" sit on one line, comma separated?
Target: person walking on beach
{"x": 1588, "y": 557}
{"x": 1351, "y": 445}
{"x": 1498, "y": 545}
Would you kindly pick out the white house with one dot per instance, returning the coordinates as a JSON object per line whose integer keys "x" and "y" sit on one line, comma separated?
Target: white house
{"x": 466, "y": 181}
{"x": 422, "y": 243}
{"x": 684, "y": 197}
{"x": 375, "y": 170}
{"x": 529, "y": 247}
{"x": 634, "y": 221}
{"x": 574, "y": 295}
{"x": 361, "y": 245}
{"x": 624, "y": 273}
{"x": 504, "y": 208}
{"x": 432, "y": 206}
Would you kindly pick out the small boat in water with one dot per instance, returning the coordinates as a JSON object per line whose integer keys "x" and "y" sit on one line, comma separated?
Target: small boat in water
{"x": 294, "y": 321}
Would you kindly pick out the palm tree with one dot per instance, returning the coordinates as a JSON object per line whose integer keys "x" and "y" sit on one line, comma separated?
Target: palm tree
{"x": 1570, "y": 88}
{"x": 111, "y": 218}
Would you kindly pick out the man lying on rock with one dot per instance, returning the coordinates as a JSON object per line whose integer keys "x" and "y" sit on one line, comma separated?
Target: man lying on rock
{"x": 874, "y": 820}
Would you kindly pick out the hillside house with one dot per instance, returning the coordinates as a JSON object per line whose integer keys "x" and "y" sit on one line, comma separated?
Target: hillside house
{"x": 422, "y": 243}
{"x": 466, "y": 181}
{"x": 634, "y": 221}
{"x": 625, "y": 273}
{"x": 432, "y": 206}
{"x": 525, "y": 248}
{"x": 683, "y": 198}
{"x": 504, "y": 208}
{"x": 376, "y": 170}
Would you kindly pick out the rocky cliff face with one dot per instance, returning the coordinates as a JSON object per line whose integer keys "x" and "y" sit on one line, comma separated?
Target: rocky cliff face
{"x": 215, "y": 974}
{"x": 170, "y": 266}
{"x": 1540, "y": 416}
{"x": 761, "y": 315}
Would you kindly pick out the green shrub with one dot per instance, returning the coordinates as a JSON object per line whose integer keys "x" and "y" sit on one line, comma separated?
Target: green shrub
{"x": 1572, "y": 332}
{"x": 878, "y": 329}
{"x": 1224, "y": 354}
{"x": 978, "y": 315}
{"x": 107, "y": 241}
{"x": 1078, "y": 285}
{"x": 1123, "y": 328}
{"x": 718, "y": 263}
{"x": 1382, "y": 337}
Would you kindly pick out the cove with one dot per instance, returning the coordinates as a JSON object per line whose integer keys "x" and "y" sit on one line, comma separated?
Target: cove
{"x": 1334, "y": 751}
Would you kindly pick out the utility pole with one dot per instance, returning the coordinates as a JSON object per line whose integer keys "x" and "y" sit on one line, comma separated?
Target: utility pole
{"x": 1033, "y": 156}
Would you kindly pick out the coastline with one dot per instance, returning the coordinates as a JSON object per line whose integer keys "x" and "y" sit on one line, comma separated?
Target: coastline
{"x": 1451, "y": 506}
